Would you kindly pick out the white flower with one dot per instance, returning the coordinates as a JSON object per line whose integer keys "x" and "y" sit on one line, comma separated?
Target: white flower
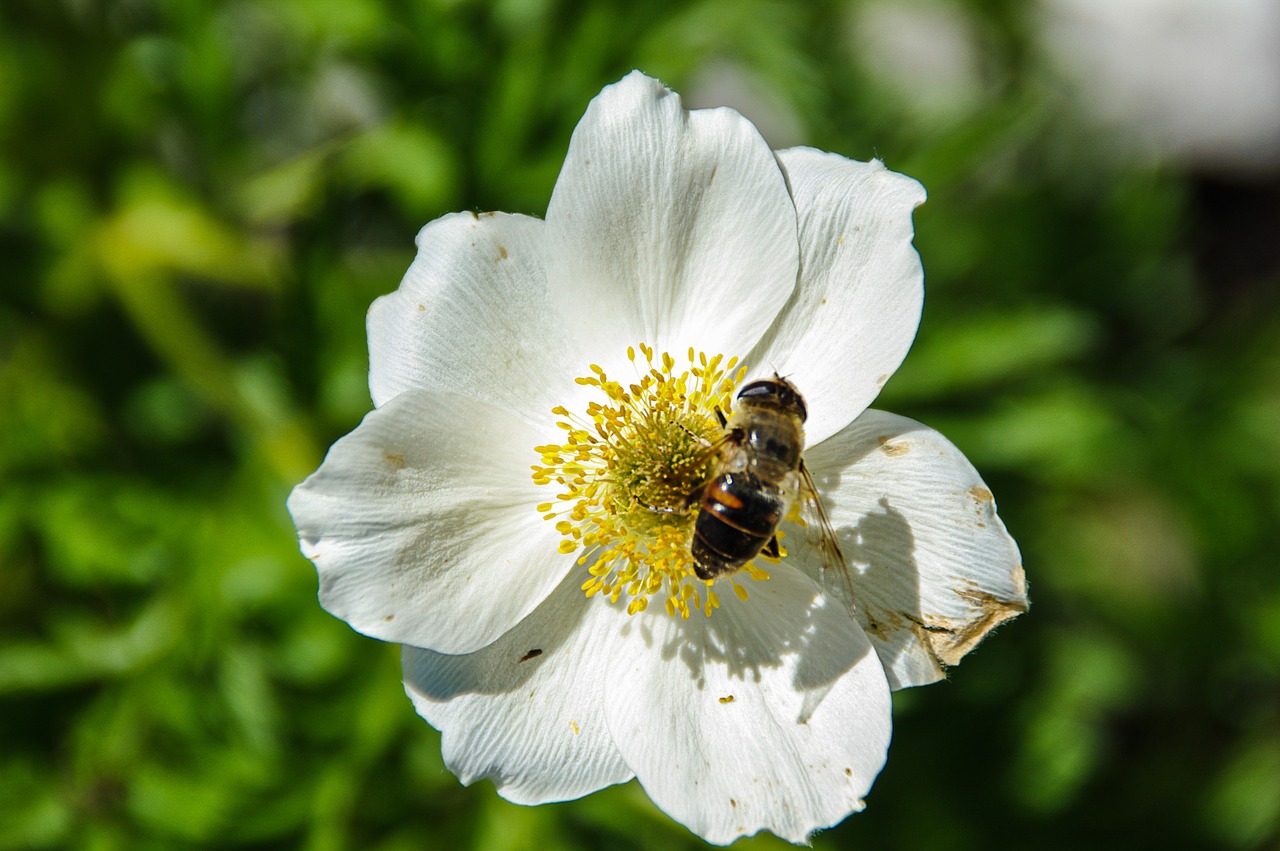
{"x": 679, "y": 234}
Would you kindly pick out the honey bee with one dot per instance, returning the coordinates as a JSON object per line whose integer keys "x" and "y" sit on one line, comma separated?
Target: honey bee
{"x": 759, "y": 475}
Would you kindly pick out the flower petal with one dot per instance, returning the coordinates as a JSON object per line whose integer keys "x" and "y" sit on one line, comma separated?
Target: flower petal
{"x": 772, "y": 714}
{"x": 932, "y": 566}
{"x": 421, "y": 523}
{"x": 528, "y": 710}
{"x": 855, "y": 310}
{"x": 472, "y": 316}
{"x": 668, "y": 227}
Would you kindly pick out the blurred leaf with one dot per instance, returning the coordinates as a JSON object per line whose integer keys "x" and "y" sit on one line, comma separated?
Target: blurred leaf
{"x": 43, "y": 413}
{"x": 178, "y": 804}
{"x": 158, "y": 231}
{"x": 1244, "y": 805}
{"x": 1066, "y": 431}
{"x": 1088, "y": 679}
{"x": 415, "y": 165}
{"x": 36, "y": 816}
{"x": 83, "y": 650}
{"x": 287, "y": 192}
{"x": 979, "y": 351}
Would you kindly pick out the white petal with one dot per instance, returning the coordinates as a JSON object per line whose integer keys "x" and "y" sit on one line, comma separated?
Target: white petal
{"x": 472, "y": 316}
{"x": 668, "y": 227}
{"x": 527, "y": 711}
{"x": 933, "y": 568}
{"x": 423, "y": 526}
{"x": 857, "y": 305}
{"x": 772, "y": 714}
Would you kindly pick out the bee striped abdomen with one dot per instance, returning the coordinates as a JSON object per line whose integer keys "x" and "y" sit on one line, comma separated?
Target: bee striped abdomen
{"x": 756, "y": 480}
{"x": 740, "y": 513}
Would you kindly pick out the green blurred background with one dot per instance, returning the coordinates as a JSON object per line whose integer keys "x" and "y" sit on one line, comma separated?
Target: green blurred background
{"x": 198, "y": 202}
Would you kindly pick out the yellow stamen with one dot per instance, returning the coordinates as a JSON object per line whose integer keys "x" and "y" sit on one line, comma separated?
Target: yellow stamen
{"x": 627, "y": 471}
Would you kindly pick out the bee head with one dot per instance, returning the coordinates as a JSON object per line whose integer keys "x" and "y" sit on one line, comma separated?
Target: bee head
{"x": 776, "y": 393}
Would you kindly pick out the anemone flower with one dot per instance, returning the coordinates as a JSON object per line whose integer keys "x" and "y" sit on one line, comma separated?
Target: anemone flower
{"x": 517, "y": 511}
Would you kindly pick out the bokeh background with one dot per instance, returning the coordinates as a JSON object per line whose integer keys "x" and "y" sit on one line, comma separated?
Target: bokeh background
{"x": 198, "y": 201}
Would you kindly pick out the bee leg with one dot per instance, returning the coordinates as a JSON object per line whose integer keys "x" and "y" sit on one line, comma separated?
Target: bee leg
{"x": 695, "y": 496}
{"x": 682, "y": 507}
{"x": 668, "y": 509}
{"x": 772, "y": 549}
{"x": 724, "y": 421}
{"x": 702, "y": 441}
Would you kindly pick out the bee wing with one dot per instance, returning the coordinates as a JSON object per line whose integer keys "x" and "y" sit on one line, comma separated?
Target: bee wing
{"x": 816, "y": 519}
{"x": 719, "y": 443}
{"x": 708, "y": 452}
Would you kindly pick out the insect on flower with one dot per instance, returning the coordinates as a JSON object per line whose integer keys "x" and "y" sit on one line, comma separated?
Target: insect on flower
{"x": 625, "y": 444}
{"x": 759, "y": 475}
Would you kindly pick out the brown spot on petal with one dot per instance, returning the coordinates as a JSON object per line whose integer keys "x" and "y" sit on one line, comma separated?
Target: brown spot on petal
{"x": 882, "y": 379}
{"x": 981, "y": 494}
{"x": 502, "y": 252}
{"x": 422, "y": 307}
{"x": 389, "y": 618}
{"x": 532, "y": 654}
{"x": 1019, "y": 577}
{"x": 396, "y": 460}
{"x": 728, "y": 698}
{"x": 848, "y": 772}
{"x": 733, "y": 803}
{"x": 950, "y": 640}
{"x": 891, "y": 448}
{"x": 882, "y": 622}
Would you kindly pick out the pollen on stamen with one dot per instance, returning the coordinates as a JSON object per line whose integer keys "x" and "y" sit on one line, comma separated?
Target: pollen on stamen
{"x": 627, "y": 473}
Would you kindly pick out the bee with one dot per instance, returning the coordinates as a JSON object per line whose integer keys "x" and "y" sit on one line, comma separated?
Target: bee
{"x": 759, "y": 475}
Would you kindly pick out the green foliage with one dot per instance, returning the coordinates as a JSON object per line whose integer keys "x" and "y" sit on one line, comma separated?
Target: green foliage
{"x": 198, "y": 201}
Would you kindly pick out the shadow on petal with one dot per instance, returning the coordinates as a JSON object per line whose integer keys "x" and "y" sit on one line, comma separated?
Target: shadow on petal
{"x": 932, "y": 568}
{"x": 882, "y": 545}
{"x": 772, "y": 714}
{"x": 787, "y": 622}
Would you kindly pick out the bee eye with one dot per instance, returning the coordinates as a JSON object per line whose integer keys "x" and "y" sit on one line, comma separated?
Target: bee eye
{"x": 759, "y": 390}
{"x": 777, "y": 393}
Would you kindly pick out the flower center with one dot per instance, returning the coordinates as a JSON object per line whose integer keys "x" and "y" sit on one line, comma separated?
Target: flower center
{"x": 631, "y": 468}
